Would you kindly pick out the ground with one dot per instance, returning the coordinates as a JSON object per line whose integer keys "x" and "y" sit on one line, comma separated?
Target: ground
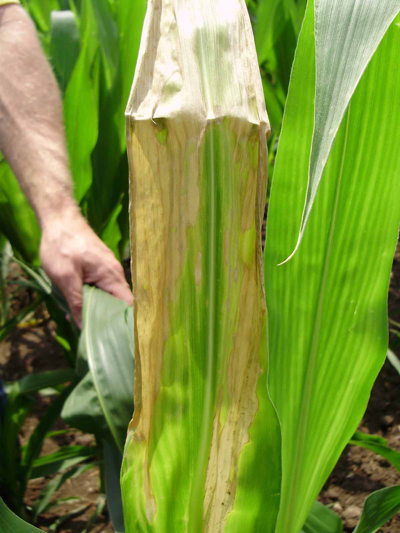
{"x": 357, "y": 474}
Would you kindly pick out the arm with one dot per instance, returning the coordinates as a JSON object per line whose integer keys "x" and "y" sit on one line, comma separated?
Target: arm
{"x": 32, "y": 140}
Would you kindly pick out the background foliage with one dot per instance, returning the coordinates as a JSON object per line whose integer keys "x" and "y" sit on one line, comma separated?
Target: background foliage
{"x": 92, "y": 46}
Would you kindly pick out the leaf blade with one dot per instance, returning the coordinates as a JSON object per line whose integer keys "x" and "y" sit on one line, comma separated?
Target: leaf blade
{"x": 347, "y": 35}
{"x": 10, "y": 522}
{"x": 320, "y": 296}
{"x": 378, "y": 445}
{"x": 379, "y": 507}
{"x": 322, "y": 520}
{"x": 106, "y": 342}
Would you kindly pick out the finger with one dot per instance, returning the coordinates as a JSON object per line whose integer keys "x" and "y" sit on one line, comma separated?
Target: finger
{"x": 118, "y": 288}
{"x": 123, "y": 292}
{"x": 71, "y": 286}
{"x": 116, "y": 284}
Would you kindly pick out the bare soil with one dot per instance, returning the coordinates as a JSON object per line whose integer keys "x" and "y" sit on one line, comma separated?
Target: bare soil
{"x": 358, "y": 473}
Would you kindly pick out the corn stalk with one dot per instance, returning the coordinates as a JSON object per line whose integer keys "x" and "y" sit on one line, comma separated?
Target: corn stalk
{"x": 203, "y": 448}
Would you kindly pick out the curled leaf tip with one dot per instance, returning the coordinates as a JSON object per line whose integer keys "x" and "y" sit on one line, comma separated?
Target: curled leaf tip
{"x": 293, "y": 253}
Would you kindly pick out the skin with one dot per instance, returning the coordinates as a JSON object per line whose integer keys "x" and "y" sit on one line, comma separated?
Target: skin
{"x": 32, "y": 140}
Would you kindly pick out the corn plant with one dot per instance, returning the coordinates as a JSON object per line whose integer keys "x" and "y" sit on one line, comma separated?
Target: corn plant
{"x": 218, "y": 441}
{"x": 97, "y": 405}
{"x": 236, "y": 427}
{"x": 19, "y": 464}
{"x": 89, "y": 403}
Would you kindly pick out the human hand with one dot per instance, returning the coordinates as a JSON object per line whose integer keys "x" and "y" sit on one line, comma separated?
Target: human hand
{"x": 72, "y": 254}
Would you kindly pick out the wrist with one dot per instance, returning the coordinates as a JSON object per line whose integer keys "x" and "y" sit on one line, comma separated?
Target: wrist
{"x": 65, "y": 213}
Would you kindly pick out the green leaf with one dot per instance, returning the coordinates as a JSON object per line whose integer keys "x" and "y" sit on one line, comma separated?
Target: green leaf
{"x": 17, "y": 219}
{"x": 19, "y": 317}
{"x": 347, "y": 33}
{"x": 378, "y": 445}
{"x": 12, "y": 466}
{"x": 328, "y": 306}
{"x": 108, "y": 38}
{"x": 11, "y": 523}
{"x": 64, "y": 458}
{"x": 274, "y": 106}
{"x": 64, "y": 45}
{"x": 110, "y": 179}
{"x": 83, "y": 411}
{"x": 271, "y": 17}
{"x": 106, "y": 339}
{"x": 81, "y": 106}
{"x": 43, "y": 500}
{"x": 41, "y": 282}
{"x": 111, "y": 235}
{"x": 14, "y": 415}
{"x": 394, "y": 360}
{"x": 34, "y": 447}
{"x": 322, "y": 520}
{"x": 378, "y": 509}
{"x": 130, "y": 20}
{"x": 59, "y": 522}
{"x": 62, "y": 501}
{"x": 5, "y": 297}
{"x": 112, "y": 465}
{"x": 100, "y": 507}
{"x": 276, "y": 32}
{"x": 103, "y": 400}
{"x": 43, "y": 380}
{"x": 41, "y": 12}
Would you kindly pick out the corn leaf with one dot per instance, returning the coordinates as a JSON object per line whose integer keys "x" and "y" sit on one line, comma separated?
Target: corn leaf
{"x": 43, "y": 380}
{"x": 328, "y": 306}
{"x": 43, "y": 501}
{"x": 11, "y": 523}
{"x": 203, "y": 448}
{"x": 111, "y": 234}
{"x": 41, "y": 12}
{"x": 274, "y": 105}
{"x": 62, "y": 459}
{"x": 394, "y": 360}
{"x": 5, "y": 297}
{"x": 322, "y": 520}
{"x": 106, "y": 349}
{"x": 376, "y": 444}
{"x": 276, "y": 32}
{"x": 81, "y": 106}
{"x": 17, "y": 219}
{"x": 34, "y": 446}
{"x": 347, "y": 34}
{"x": 55, "y": 526}
{"x": 102, "y": 403}
{"x": 108, "y": 38}
{"x": 271, "y": 18}
{"x": 130, "y": 20}
{"x": 82, "y": 409}
{"x": 110, "y": 180}
{"x": 112, "y": 468}
{"x": 378, "y": 509}
{"x": 64, "y": 45}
